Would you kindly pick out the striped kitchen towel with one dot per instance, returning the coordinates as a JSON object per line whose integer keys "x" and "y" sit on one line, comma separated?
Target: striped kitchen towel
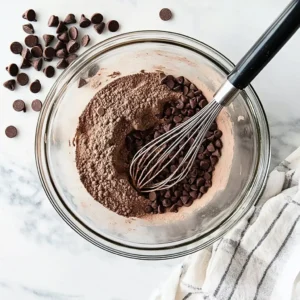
{"x": 258, "y": 259}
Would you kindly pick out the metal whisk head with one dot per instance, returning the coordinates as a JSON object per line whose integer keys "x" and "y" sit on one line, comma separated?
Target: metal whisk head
{"x": 152, "y": 159}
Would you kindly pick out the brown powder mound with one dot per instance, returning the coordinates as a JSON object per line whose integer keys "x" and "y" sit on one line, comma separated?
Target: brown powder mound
{"x": 130, "y": 102}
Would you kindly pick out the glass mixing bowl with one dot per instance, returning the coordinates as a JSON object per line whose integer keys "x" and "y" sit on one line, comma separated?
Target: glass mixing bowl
{"x": 245, "y": 170}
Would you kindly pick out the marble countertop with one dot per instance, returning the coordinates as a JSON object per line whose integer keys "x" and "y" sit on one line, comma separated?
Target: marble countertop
{"x": 40, "y": 256}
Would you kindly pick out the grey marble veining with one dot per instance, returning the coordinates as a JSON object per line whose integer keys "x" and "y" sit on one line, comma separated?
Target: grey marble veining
{"x": 40, "y": 256}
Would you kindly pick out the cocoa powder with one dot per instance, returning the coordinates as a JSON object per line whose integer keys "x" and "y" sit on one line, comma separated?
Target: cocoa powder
{"x": 130, "y": 102}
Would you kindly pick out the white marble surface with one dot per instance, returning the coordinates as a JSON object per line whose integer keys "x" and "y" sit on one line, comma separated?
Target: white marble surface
{"x": 40, "y": 256}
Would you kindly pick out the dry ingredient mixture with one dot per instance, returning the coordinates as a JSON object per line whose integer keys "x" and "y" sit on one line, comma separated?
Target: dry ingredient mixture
{"x": 119, "y": 120}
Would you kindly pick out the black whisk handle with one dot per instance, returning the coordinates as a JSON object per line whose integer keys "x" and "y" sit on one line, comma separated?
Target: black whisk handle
{"x": 267, "y": 46}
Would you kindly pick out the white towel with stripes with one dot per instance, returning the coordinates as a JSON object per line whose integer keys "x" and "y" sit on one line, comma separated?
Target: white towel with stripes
{"x": 259, "y": 259}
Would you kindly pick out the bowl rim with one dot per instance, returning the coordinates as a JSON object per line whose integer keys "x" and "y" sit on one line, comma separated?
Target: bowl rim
{"x": 113, "y": 246}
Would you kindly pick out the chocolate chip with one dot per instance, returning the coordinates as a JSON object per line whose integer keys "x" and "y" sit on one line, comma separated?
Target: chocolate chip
{"x": 161, "y": 209}
{"x": 154, "y": 204}
{"x": 11, "y": 131}
{"x": 193, "y": 103}
{"x": 49, "y": 52}
{"x": 203, "y": 103}
{"x": 207, "y": 176}
{"x": 70, "y": 19}
{"x": 36, "y": 105}
{"x": 12, "y": 69}
{"x": 152, "y": 196}
{"x": 64, "y": 37}
{"x": 10, "y": 84}
{"x": 53, "y": 21}
{"x": 25, "y": 64}
{"x": 96, "y": 18}
{"x": 177, "y": 119}
{"x": 185, "y": 90}
{"x": 37, "y": 64}
{"x": 180, "y": 79}
{"x": 29, "y": 15}
{"x": 73, "y": 33}
{"x": 31, "y": 40}
{"x": 148, "y": 209}
{"x": 194, "y": 194}
{"x": 174, "y": 208}
{"x": 16, "y": 48}
{"x": 62, "y": 53}
{"x": 218, "y": 133}
{"x": 49, "y": 71}
{"x": 71, "y": 58}
{"x": 35, "y": 86}
{"x": 72, "y": 46}
{"x": 59, "y": 45}
{"x": 37, "y": 51}
{"x": 211, "y": 147}
{"x": 22, "y": 79}
{"x": 61, "y": 27}
{"x": 19, "y": 105}
{"x": 218, "y": 144}
{"x": 26, "y": 54}
{"x": 84, "y": 22}
{"x": 204, "y": 164}
{"x": 85, "y": 40}
{"x": 217, "y": 153}
{"x": 180, "y": 104}
{"x": 170, "y": 84}
{"x": 165, "y": 14}
{"x": 93, "y": 71}
{"x": 203, "y": 189}
{"x": 186, "y": 82}
{"x": 81, "y": 82}
{"x": 190, "y": 94}
{"x": 48, "y": 38}
{"x": 113, "y": 25}
{"x": 62, "y": 64}
{"x": 166, "y": 203}
{"x": 28, "y": 28}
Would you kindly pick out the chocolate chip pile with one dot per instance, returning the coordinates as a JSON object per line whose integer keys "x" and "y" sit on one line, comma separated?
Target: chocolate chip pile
{"x": 199, "y": 179}
{"x": 63, "y": 47}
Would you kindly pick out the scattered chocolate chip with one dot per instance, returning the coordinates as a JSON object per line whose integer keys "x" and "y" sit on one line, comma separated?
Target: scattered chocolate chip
{"x": 12, "y": 69}
{"x": 29, "y": 15}
{"x": 218, "y": 133}
{"x": 85, "y": 40}
{"x": 31, "y": 40}
{"x": 49, "y": 52}
{"x": 113, "y": 25}
{"x": 37, "y": 51}
{"x": 84, "y": 22}
{"x": 93, "y": 71}
{"x": 165, "y": 14}
{"x": 96, "y": 18}
{"x": 11, "y": 131}
{"x": 61, "y": 27}
{"x": 28, "y": 28}
{"x": 53, "y": 21}
{"x": 99, "y": 27}
{"x": 19, "y": 105}
{"x": 16, "y": 48}
{"x": 218, "y": 144}
{"x": 73, "y": 33}
{"x": 211, "y": 147}
{"x": 37, "y": 64}
{"x": 26, "y": 54}
{"x": 48, "y": 38}
{"x": 22, "y": 79}
{"x": 49, "y": 71}
{"x": 174, "y": 208}
{"x": 70, "y": 19}
{"x": 25, "y": 64}
{"x": 72, "y": 46}
{"x": 81, "y": 82}
{"x": 10, "y": 84}
{"x": 35, "y": 86}
{"x": 62, "y": 64}
{"x": 61, "y": 53}
{"x": 64, "y": 37}
{"x": 71, "y": 58}
{"x": 59, "y": 45}
{"x": 36, "y": 105}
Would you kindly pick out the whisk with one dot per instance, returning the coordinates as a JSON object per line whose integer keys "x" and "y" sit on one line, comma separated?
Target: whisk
{"x": 151, "y": 160}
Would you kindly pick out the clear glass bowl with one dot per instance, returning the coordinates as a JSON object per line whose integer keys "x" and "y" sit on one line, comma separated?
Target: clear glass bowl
{"x": 242, "y": 172}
